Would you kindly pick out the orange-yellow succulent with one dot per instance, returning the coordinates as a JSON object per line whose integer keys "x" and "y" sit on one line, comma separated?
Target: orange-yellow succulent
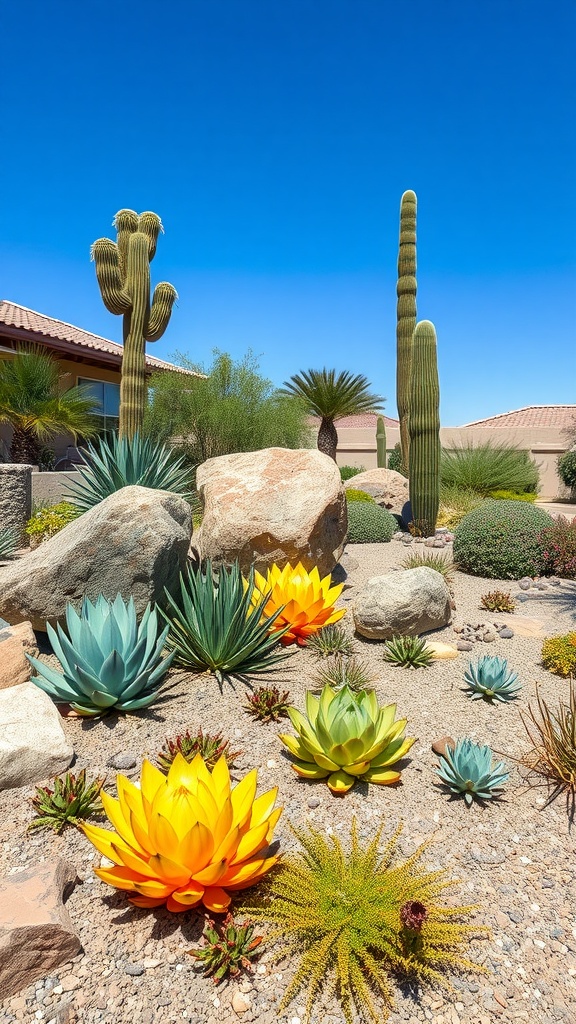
{"x": 187, "y": 837}
{"x": 309, "y": 601}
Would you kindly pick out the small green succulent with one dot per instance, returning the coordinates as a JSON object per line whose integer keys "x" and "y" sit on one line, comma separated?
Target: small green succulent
{"x": 489, "y": 678}
{"x": 228, "y": 948}
{"x": 267, "y": 703}
{"x": 211, "y": 746}
{"x": 408, "y": 651}
{"x": 108, "y": 661}
{"x": 467, "y": 769}
{"x": 345, "y": 736}
{"x": 331, "y": 640}
{"x": 72, "y": 800}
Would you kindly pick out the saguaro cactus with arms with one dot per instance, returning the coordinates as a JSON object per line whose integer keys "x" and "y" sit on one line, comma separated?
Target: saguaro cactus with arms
{"x": 123, "y": 272}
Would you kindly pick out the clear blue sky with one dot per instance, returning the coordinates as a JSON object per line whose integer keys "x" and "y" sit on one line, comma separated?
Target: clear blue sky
{"x": 275, "y": 141}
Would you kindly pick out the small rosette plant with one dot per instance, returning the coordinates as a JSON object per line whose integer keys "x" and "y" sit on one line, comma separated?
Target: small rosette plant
{"x": 186, "y": 838}
{"x": 302, "y": 602}
{"x": 345, "y": 736}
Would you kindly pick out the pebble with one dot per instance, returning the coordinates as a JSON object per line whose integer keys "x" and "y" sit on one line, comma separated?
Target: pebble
{"x": 135, "y": 970}
{"x": 489, "y": 638}
{"x": 464, "y": 645}
{"x": 506, "y": 633}
{"x": 240, "y": 1002}
{"x": 122, "y": 761}
{"x": 313, "y": 802}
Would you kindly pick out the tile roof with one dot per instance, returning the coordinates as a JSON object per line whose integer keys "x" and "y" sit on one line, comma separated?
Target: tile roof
{"x": 559, "y": 416}
{"x": 14, "y": 315}
{"x": 363, "y": 421}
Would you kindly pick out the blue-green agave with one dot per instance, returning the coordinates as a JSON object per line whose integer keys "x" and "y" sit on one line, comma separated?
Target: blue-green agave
{"x": 115, "y": 462}
{"x": 108, "y": 661}
{"x": 7, "y": 543}
{"x": 490, "y": 678}
{"x": 467, "y": 769}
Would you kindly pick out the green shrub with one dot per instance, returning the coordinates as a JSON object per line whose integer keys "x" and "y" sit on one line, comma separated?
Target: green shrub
{"x": 455, "y": 503}
{"x": 513, "y": 496}
{"x": 347, "y": 472}
{"x": 354, "y": 494}
{"x": 395, "y": 458}
{"x": 501, "y": 540}
{"x": 489, "y": 467}
{"x": 50, "y": 519}
{"x": 369, "y": 524}
{"x": 567, "y": 468}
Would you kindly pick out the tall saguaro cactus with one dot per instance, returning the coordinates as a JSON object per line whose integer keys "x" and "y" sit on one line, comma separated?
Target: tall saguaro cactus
{"x": 380, "y": 443}
{"x": 123, "y": 272}
{"x": 405, "y": 317}
{"x": 424, "y": 426}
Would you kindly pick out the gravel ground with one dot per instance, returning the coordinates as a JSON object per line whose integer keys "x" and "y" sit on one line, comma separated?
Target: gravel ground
{"x": 515, "y": 858}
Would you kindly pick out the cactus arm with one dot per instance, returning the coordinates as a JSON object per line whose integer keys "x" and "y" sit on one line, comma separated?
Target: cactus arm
{"x": 405, "y": 317}
{"x": 424, "y": 426}
{"x": 104, "y": 252}
{"x": 126, "y": 223}
{"x": 150, "y": 225}
{"x": 163, "y": 299}
{"x": 133, "y": 383}
{"x": 381, "y": 443}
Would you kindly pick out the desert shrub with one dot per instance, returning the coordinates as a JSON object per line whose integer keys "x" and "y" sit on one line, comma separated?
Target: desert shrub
{"x": 395, "y": 458}
{"x": 513, "y": 496}
{"x": 50, "y": 519}
{"x": 567, "y": 468}
{"x": 559, "y": 654}
{"x": 369, "y": 524}
{"x": 560, "y": 548}
{"x": 552, "y": 753}
{"x": 441, "y": 563}
{"x": 232, "y": 408}
{"x": 502, "y": 540}
{"x": 347, "y": 472}
{"x": 455, "y": 503}
{"x": 354, "y": 494}
{"x": 489, "y": 467}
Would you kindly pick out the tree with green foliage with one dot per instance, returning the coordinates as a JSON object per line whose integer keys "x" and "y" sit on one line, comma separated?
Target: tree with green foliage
{"x": 34, "y": 404}
{"x": 229, "y": 408}
{"x": 330, "y": 396}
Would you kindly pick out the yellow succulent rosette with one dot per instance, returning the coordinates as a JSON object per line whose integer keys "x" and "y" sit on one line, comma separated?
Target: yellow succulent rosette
{"x": 309, "y": 601}
{"x": 186, "y": 838}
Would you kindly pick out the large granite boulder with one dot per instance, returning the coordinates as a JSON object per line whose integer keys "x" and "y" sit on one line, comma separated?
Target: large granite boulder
{"x": 33, "y": 745}
{"x": 388, "y": 488}
{"x": 134, "y": 542}
{"x": 277, "y": 505}
{"x": 406, "y": 603}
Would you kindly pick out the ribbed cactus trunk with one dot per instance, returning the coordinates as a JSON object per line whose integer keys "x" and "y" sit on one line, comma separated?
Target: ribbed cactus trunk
{"x": 381, "y": 443}
{"x": 424, "y": 469}
{"x": 405, "y": 318}
{"x": 123, "y": 272}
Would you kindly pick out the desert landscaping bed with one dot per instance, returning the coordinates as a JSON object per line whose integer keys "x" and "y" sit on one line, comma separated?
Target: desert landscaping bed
{"x": 515, "y": 858}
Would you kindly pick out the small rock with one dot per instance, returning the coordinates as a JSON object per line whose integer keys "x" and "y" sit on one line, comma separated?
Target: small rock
{"x": 458, "y": 629}
{"x": 464, "y": 645}
{"x": 122, "y": 761}
{"x": 398, "y": 535}
{"x": 134, "y": 970}
{"x": 438, "y": 543}
{"x": 313, "y": 802}
{"x": 70, "y": 983}
{"x": 525, "y": 583}
{"x": 506, "y": 633}
{"x": 439, "y": 746}
{"x": 407, "y": 540}
{"x": 489, "y": 637}
{"x": 240, "y": 1002}
{"x": 441, "y": 651}
{"x": 541, "y": 585}
{"x": 430, "y": 542}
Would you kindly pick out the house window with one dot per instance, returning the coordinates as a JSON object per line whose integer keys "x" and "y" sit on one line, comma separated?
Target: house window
{"x": 106, "y": 401}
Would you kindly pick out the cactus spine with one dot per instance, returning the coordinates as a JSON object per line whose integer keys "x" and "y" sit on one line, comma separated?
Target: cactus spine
{"x": 424, "y": 426}
{"x": 405, "y": 317}
{"x": 381, "y": 443}
{"x": 123, "y": 273}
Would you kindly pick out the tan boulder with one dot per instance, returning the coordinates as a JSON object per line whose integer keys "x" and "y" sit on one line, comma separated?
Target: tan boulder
{"x": 15, "y": 643}
{"x": 36, "y": 933}
{"x": 33, "y": 744}
{"x": 388, "y": 488}
{"x": 276, "y": 505}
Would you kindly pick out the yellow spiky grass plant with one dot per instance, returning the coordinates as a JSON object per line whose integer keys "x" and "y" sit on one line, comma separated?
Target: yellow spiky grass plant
{"x": 348, "y": 916}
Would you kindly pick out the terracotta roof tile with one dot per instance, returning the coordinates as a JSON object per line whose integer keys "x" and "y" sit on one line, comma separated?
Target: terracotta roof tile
{"x": 14, "y": 315}
{"x": 558, "y": 416}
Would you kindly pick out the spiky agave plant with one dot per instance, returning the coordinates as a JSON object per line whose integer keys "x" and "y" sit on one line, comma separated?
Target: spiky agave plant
{"x": 228, "y": 948}
{"x": 7, "y": 543}
{"x": 210, "y": 746}
{"x": 72, "y": 800}
{"x": 331, "y": 640}
{"x": 353, "y": 918}
{"x": 408, "y": 652}
{"x": 341, "y": 672}
{"x": 489, "y": 678}
{"x": 114, "y": 462}
{"x": 218, "y": 626}
{"x": 108, "y": 660}
{"x": 345, "y": 736}
{"x": 468, "y": 770}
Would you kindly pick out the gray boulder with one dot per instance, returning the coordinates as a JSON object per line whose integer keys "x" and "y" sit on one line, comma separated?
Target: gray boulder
{"x": 407, "y": 603}
{"x": 33, "y": 745}
{"x": 276, "y": 505}
{"x": 135, "y": 542}
{"x": 388, "y": 488}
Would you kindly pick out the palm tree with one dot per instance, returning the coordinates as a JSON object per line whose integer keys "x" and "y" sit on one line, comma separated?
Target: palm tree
{"x": 331, "y": 396}
{"x": 32, "y": 403}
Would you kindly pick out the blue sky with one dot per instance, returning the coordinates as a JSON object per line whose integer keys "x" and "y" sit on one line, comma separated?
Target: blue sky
{"x": 275, "y": 141}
